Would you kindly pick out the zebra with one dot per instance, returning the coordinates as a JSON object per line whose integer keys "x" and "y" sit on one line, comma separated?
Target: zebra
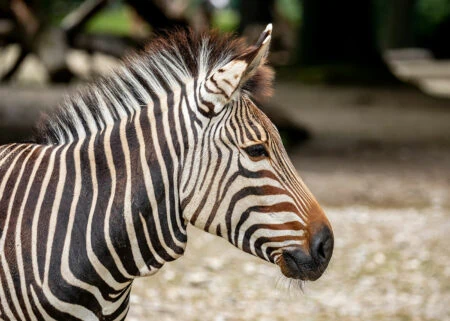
{"x": 105, "y": 191}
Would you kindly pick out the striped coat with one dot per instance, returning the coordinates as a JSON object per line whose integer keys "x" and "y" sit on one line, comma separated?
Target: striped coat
{"x": 105, "y": 193}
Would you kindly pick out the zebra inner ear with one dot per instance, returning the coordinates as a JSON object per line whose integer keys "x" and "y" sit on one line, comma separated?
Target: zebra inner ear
{"x": 224, "y": 83}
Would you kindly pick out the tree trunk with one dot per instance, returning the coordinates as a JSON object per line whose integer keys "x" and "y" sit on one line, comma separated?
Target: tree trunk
{"x": 337, "y": 32}
{"x": 338, "y": 43}
{"x": 255, "y": 12}
{"x": 399, "y": 31}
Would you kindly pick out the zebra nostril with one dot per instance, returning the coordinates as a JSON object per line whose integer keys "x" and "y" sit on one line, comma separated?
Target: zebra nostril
{"x": 321, "y": 251}
{"x": 322, "y": 245}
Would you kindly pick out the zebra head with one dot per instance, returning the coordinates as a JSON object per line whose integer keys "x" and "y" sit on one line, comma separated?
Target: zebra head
{"x": 239, "y": 182}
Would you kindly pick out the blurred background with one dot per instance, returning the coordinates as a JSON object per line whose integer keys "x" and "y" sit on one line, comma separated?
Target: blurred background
{"x": 362, "y": 103}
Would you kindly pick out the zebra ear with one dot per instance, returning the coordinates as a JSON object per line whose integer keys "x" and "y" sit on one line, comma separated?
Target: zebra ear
{"x": 258, "y": 53}
{"x": 221, "y": 86}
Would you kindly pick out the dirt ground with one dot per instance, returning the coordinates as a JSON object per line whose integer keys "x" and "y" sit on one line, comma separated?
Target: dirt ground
{"x": 379, "y": 163}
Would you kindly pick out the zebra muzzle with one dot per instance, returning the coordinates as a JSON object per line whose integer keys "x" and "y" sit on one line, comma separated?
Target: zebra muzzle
{"x": 296, "y": 263}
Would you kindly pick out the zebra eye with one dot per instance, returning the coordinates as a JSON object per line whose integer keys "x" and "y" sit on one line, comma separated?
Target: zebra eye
{"x": 257, "y": 151}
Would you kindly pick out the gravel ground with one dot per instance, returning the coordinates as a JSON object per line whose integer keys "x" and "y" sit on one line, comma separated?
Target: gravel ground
{"x": 387, "y": 265}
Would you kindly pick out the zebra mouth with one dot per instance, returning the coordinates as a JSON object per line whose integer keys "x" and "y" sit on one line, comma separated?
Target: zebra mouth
{"x": 295, "y": 264}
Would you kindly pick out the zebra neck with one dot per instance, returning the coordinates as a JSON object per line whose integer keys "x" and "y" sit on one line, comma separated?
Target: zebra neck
{"x": 137, "y": 165}
{"x": 121, "y": 188}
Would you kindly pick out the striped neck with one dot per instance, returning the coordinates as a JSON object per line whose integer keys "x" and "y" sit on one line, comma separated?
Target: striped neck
{"x": 137, "y": 163}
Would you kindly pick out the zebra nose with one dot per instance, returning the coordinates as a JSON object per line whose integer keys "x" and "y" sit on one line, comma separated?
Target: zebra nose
{"x": 322, "y": 246}
{"x": 297, "y": 263}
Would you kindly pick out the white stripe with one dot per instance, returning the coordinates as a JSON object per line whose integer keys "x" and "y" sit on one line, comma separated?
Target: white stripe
{"x": 149, "y": 189}
{"x": 18, "y": 239}
{"x": 150, "y": 244}
{"x": 101, "y": 270}
{"x": 128, "y": 214}
{"x": 75, "y": 310}
{"x": 5, "y": 231}
{"x": 36, "y": 215}
{"x": 4, "y": 304}
{"x": 4, "y": 148}
{"x": 41, "y": 309}
{"x": 166, "y": 125}
{"x": 149, "y": 184}
{"x": 6, "y": 156}
{"x": 106, "y": 228}
{"x": 66, "y": 271}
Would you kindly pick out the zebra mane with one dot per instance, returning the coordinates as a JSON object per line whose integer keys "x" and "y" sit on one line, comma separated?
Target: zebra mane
{"x": 170, "y": 59}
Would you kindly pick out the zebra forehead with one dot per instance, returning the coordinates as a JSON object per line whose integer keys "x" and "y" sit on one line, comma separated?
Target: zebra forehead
{"x": 251, "y": 123}
{"x": 169, "y": 60}
{"x": 265, "y": 123}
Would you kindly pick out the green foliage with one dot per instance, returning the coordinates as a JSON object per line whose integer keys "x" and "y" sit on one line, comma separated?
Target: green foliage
{"x": 228, "y": 19}
{"x": 115, "y": 20}
{"x": 430, "y": 13}
{"x": 225, "y": 20}
{"x": 291, "y": 10}
{"x": 53, "y": 11}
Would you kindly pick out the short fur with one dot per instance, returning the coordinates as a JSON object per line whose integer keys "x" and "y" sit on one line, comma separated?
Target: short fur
{"x": 183, "y": 55}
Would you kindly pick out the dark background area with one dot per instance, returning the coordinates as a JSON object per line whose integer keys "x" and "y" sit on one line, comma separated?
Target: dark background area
{"x": 402, "y": 44}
